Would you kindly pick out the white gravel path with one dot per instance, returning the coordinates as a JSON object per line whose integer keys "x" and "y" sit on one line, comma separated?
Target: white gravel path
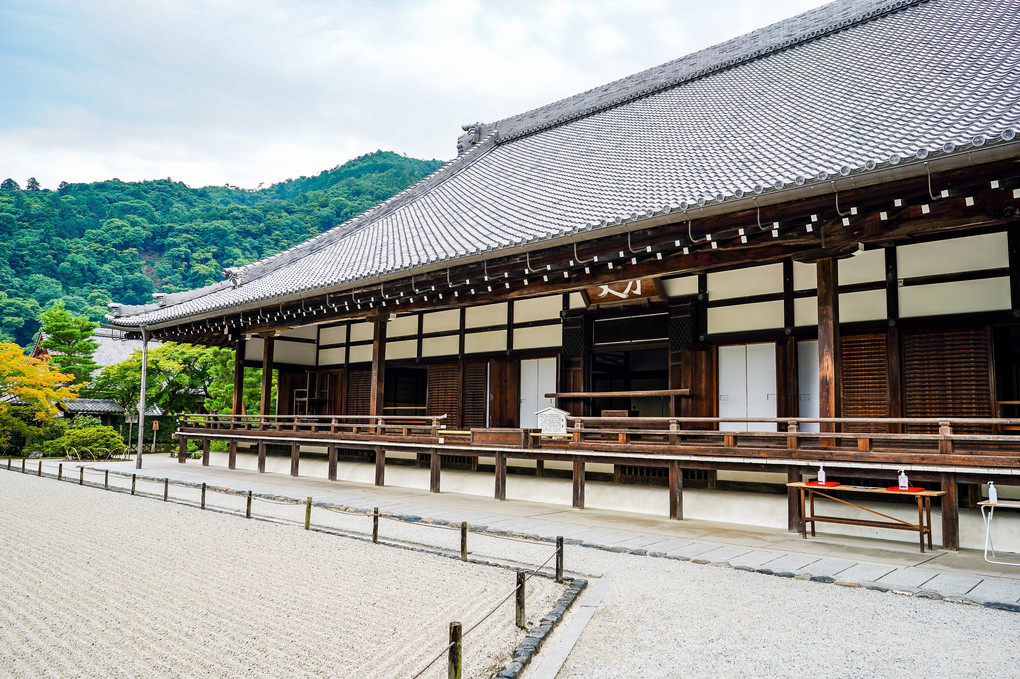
{"x": 100, "y": 584}
{"x": 664, "y": 618}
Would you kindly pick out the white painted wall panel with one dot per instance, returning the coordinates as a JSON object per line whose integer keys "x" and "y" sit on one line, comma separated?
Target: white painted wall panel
{"x": 401, "y": 349}
{"x": 733, "y": 386}
{"x": 485, "y": 315}
{"x": 361, "y": 331}
{"x": 334, "y": 356}
{"x": 762, "y": 396}
{"x": 805, "y": 311}
{"x": 741, "y": 317}
{"x": 576, "y": 301}
{"x": 807, "y": 382}
{"x": 864, "y": 267}
{"x": 298, "y": 353}
{"x": 757, "y": 280}
{"x": 440, "y": 346}
{"x": 677, "y": 287}
{"x": 440, "y": 321}
{"x": 402, "y": 326}
{"x": 305, "y": 332}
{"x": 868, "y": 305}
{"x": 534, "y": 338}
{"x": 360, "y": 354}
{"x": 991, "y": 294}
{"x": 538, "y": 378}
{"x": 337, "y": 335}
{"x": 253, "y": 349}
{"x": 804, "y": 276}
{"x": 973, "y": 253}
{"x": 480, "y": 342}
{"x": 537, "y": 309}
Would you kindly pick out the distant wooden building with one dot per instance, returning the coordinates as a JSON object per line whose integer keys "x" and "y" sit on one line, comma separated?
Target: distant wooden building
{"x": 799, "y": 245}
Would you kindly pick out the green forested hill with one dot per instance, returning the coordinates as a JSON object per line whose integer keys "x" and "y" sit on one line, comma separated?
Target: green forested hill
{"x": 89, "y": 244}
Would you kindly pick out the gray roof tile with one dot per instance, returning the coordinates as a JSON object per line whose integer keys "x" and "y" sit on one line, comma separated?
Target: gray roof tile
{"x": 847, "y": 88}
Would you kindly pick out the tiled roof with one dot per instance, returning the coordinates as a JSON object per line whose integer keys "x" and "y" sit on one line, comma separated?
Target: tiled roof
{"x": 851, "y": 87}
{"x": 102, "y": 406}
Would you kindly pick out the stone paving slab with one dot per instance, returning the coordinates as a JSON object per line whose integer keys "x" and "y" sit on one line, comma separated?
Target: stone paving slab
{"x": 755, "y": 559}
{"x": 948, "y": 584}
{"x": 693, "y": 550}
{"x": 827, "y": 567}
{"x": 992, "y": 589}
{"x": 907, "y": 578}
{"x": 864, "y": 572}
{"x": 789, "y": 563}
{"x": 721, "y": 554}
{"x": 642, "y": 542}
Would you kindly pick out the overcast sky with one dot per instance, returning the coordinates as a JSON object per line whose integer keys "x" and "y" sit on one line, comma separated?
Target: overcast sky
{"x": 250, "y": 91}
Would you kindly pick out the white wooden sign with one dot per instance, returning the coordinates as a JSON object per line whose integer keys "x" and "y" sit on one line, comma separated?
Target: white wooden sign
{"x": 552, "y": 421}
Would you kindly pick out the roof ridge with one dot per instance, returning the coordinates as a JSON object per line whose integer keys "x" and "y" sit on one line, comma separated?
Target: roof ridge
{"x": 796, "y": 30}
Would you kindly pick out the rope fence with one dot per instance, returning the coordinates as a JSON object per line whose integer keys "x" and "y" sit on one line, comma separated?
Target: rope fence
{"x": 100, "y": 478}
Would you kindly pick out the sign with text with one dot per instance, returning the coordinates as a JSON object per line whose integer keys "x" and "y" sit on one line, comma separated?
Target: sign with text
{"x": 623, "y": 291}
{"x": 552, "y": 421}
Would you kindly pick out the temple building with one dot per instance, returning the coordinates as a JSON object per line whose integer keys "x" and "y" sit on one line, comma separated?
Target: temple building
{"x": 799, "y": 246}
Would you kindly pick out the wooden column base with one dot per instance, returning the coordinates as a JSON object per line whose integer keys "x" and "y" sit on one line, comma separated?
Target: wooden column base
{"x": 434, "y": 463}
{"x": 676, "y": 492}
{"x": 332, "y": 462}
{"x": 232, "y": 455}
{"x": 500, "y": 476}
{"x": 578, "y": 498}
{"x": 794, "y": 520}
{"x": 205, "y": 452}
{"x": 262, "y": 456}
{"x": 380, "y": 467}
{"x": 182, "y": 450}
{"x": 295, "y": 459}
{"x": 950, "y": 512}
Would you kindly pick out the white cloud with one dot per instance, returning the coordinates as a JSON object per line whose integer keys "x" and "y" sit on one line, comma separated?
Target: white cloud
{"x": 258, "y": 91}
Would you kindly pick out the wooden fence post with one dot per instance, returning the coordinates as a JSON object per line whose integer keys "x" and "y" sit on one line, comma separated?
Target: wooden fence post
{"x": 106, "y": 480}
{"x": 166, "y": 489}
{"x": 203, "y": 496}
{"x": 39, "y": 473}
{"x": 456, "y": 652}
{"x": 247, "y": 510}
{"x": 521, "y": 622}
{"x": 81, "y": 475}
{"x": 308, "y": 514}
{"x": 22, "y": 465}
{"x": 375, "y": 525}
{"x": 60, "y": 472}
{"x": 559, "y": 559}
{"x": 463, "y": 540}
{"x": 134, "y": 478}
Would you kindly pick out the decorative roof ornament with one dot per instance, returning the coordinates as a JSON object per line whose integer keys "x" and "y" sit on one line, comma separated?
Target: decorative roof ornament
{"x": 472, "y": 135}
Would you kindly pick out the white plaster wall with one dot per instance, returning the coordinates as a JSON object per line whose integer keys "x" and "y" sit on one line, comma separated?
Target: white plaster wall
{"x": 868, "y": 305}
{"x": 755, "y": 280}
{"x": 360, "y": 354}
{"x": 805, "y": 277}
{"x": 401, "y": 349}
{"x": 740, "y": 317}
{"x": 805, "y": 311}
{"x": 336, "y": 335}
{"x": 677, "y": 287}
{"x": 401, "y": 326}
{"x": 440, "y": 321}
{"x": 334, "y": 356}
{"x": 533, "y": 338}
{"x": 972, "y": 253}
{"x": 487, "y": 314}
{"x": 253, "y": 347}
{"x": 362, "y": 331}
{"x": 990, "y": 294}
{"x": 576, "y": 301}
{"x": 537, "y": 309}
{"x": 864, "y": 267}
{"x": 732, "y": 507}
{"x": 305, "y": 332}
{"x": 440, "y": 346}
{"x": 298, "y": 353}
{"x": 479, "y": 342}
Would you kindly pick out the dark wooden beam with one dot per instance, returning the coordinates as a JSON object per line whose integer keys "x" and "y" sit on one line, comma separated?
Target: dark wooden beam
{"x": 380, "y": 466}
{"x": 500, "y": 476}
{"x": 676, "y": 491}
{"x": 794, "y": 518}
{"x": 331, "y": 453}
{"x": 232, "y": 455}
{"x": 238, "y": 399}
{"x": 950, "y": 512}
{"x": 182, "y": 450}
{"x": 205, "y": 452}
{"x": 262, "y": 457}
{"x": 378, "y": 367}
{"x": 267, "y": 377}
{"x": 295, "y": 459}
{"x": 578, "y": 494}
{"x": 829, "y": 371}
{"x": 435, "y": 460}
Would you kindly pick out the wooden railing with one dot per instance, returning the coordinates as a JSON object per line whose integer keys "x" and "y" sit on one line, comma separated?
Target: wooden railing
{"x": 380, "y": 425}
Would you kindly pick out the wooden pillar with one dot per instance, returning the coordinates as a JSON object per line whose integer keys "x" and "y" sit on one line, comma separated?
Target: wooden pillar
{"x": 829, "y": 371}
{"x": 676, "y": 491}
{"x": 380, "y": 466}
{"x": 205, "y": 452}
{"x": 950, "y": 512}
{"x": 332, "y": 462}
{"x": 434, "y": 462}
{"x": 182, "y": 450}
{"x": 295, "y": 458}
{"x": 500, "y": 476}
{"x": 238, "y": 402}
{"x": 578, "y": 499}
{"x": 378, "y": 367}
{"x": 262, "y": 456}
{"x": 232, "y": 455}
{"x": 266, "y": 405}
{"x": 794, "y": 518}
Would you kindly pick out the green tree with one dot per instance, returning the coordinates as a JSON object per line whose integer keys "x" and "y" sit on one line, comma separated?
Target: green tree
{"x": 9, "y": 185}
{"x": 68, "y": 339}
{"x": 18, "y": 319}
{"x": 32, "y": 184}
{"x": 30, "y": 392}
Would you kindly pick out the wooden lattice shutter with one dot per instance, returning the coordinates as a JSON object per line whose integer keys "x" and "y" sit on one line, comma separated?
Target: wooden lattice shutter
{"x": 444, "y": 393}
{"x": 865, "y": 380}
{"x": 475, "y": 394}
{"x": 359, "y": 391}
{"x": 947, "y": 374}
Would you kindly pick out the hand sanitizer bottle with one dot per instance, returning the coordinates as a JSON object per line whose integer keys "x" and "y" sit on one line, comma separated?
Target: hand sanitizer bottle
{"x": 902, "y": 478}
{"x": 993, "y": 495}
{"x": 821, "y": 475}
